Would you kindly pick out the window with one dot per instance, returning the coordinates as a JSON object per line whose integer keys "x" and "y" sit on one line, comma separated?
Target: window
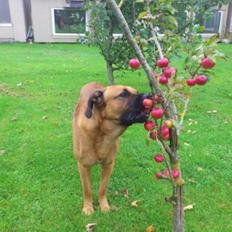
{"x": 4, "y": 12}
{"x": 69, "y": 21}
{"x": 212, "y": 22}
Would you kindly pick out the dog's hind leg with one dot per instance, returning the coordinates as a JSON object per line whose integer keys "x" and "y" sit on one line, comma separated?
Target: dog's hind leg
{"x": 106, "y": 173}
{"x": 86, "y": 186}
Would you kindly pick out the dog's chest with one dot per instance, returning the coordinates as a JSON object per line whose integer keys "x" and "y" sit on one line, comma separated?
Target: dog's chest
{"x": 106, "y": 147}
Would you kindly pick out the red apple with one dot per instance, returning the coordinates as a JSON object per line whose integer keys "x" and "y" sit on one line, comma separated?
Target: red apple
{"x": 153, "y": 135}
{"x": 191, "y": 82}
{"x": 201, "y": 79}
{"x": 157, "y": 113}
{"x": 165, "y": 132}
{"x": 175, "y": 173}
{"x": 163, "y": 80}
{"x": 169, "y": 71}
{"x": 162, "y": 63}
{"x": 149, "y": 125}
{"x": 207, "y": 63}
{"x": 159, "y": 158}
{"x": 134, "y": 63}
{"x": 147, "y": 103}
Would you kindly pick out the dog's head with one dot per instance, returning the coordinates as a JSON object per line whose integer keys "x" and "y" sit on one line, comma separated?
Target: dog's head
{"x": 121, "y": 104}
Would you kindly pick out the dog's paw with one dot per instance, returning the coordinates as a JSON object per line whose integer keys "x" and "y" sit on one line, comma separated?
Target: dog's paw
{"x": 87, "y": 210}
{"x": 104, "y": 205}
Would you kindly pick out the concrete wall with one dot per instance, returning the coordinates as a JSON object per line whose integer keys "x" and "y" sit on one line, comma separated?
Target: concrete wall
{"x": 42, "y": 21}
{"x": 14, "y": 31}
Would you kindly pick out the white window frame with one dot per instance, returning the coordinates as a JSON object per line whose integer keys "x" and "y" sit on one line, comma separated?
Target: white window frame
{"x": 230, "y": 29}
{"x": 220, "y": 29}
{"x": 67, "y": 34}
{"x": 5, "y": 24}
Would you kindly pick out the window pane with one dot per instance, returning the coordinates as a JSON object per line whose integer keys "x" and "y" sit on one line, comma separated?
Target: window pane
{"x": 212, "y": 22}
{"x": 4, "y": 11}
{"x": 69, "y": 21}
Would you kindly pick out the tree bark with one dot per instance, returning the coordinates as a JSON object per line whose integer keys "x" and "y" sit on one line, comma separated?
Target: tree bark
{"x": 178, "y": 209}
{"x": 110, "y": 73}
{"x": 178, "y": 193}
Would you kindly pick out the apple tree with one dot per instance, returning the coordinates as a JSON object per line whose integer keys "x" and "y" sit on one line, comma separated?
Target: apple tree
{"x": 107, "y": 35}
{"x": 155, "y": 45}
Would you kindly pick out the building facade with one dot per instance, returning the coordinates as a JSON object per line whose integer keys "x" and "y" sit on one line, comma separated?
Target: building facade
{"x": 12, "y": 20}
{"x": 65, "y": 20}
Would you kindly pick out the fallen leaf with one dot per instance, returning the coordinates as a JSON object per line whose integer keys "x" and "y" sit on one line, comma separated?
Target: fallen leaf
{"x": 200, "y": 169}
{"x": 186, "y": 144}
{"x": 135, "y": 203}
{"x": 126, "y": 193}
{"x": 189, "y": 207}
{"x": 150, "y": 228}
{"x": 2, "y": 152}
{"x": 45, "y": 117}
{"x": 14, "y": 118}
{"x": 90, "y": 227}
{"x": 192, "y": 181}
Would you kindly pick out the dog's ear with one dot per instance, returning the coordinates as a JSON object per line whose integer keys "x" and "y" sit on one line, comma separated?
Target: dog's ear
{"x": 96, "y": 99}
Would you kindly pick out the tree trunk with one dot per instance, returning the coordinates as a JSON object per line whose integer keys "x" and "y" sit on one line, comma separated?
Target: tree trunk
{"x": 110, "y": 73}
{"x": 178, "y": 209}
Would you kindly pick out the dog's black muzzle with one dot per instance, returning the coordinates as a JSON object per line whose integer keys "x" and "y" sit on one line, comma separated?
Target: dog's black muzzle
{"x": 136, "y": 112}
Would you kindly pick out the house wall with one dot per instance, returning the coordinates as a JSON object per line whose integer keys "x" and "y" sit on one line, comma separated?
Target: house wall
{"x": 226, "y": 31}
{"x": 42, "y": 21}
{"x": 14, "y": 31}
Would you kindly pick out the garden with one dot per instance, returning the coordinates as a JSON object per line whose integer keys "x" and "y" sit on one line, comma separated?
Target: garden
{"x": 40, "y": 188}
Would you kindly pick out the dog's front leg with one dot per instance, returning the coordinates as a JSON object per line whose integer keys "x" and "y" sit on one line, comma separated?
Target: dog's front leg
{"x": 86, "y": 186}
{"x": 106, "y": 173}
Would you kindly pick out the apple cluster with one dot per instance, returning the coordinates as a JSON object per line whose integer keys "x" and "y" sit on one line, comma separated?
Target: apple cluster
{"x": 158, "y": 129}
{"x": 155, "y": 127}
{"x": 165, "y": 174}
{"x": 168, "y": 71}
{"x": 200, "y": 79}
{"x": 158, "y": 126}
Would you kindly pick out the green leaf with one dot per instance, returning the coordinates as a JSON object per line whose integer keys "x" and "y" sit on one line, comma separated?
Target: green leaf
{"x": 142, "y": 15}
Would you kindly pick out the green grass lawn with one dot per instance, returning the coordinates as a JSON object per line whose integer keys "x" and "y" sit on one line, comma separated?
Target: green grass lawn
{"x": 39, "y": 185}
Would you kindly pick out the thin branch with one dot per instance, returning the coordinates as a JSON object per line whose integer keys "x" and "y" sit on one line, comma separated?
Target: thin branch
{"x": 153, "y": 32}
{"x": 120, "y": 3}
{"x": 183, "y": 115}
{"x": 161, "y": 144}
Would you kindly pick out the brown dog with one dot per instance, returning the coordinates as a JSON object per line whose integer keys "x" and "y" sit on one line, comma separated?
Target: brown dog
{"x": 101, "y": 116}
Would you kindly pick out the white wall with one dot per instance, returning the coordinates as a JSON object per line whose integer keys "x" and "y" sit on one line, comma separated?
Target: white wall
{"x": 43, "y": 23}
{"x": 16, "y": 29}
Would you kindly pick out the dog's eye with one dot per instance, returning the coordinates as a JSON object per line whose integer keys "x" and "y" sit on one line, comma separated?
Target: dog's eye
{"x": 125, "y": 93}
